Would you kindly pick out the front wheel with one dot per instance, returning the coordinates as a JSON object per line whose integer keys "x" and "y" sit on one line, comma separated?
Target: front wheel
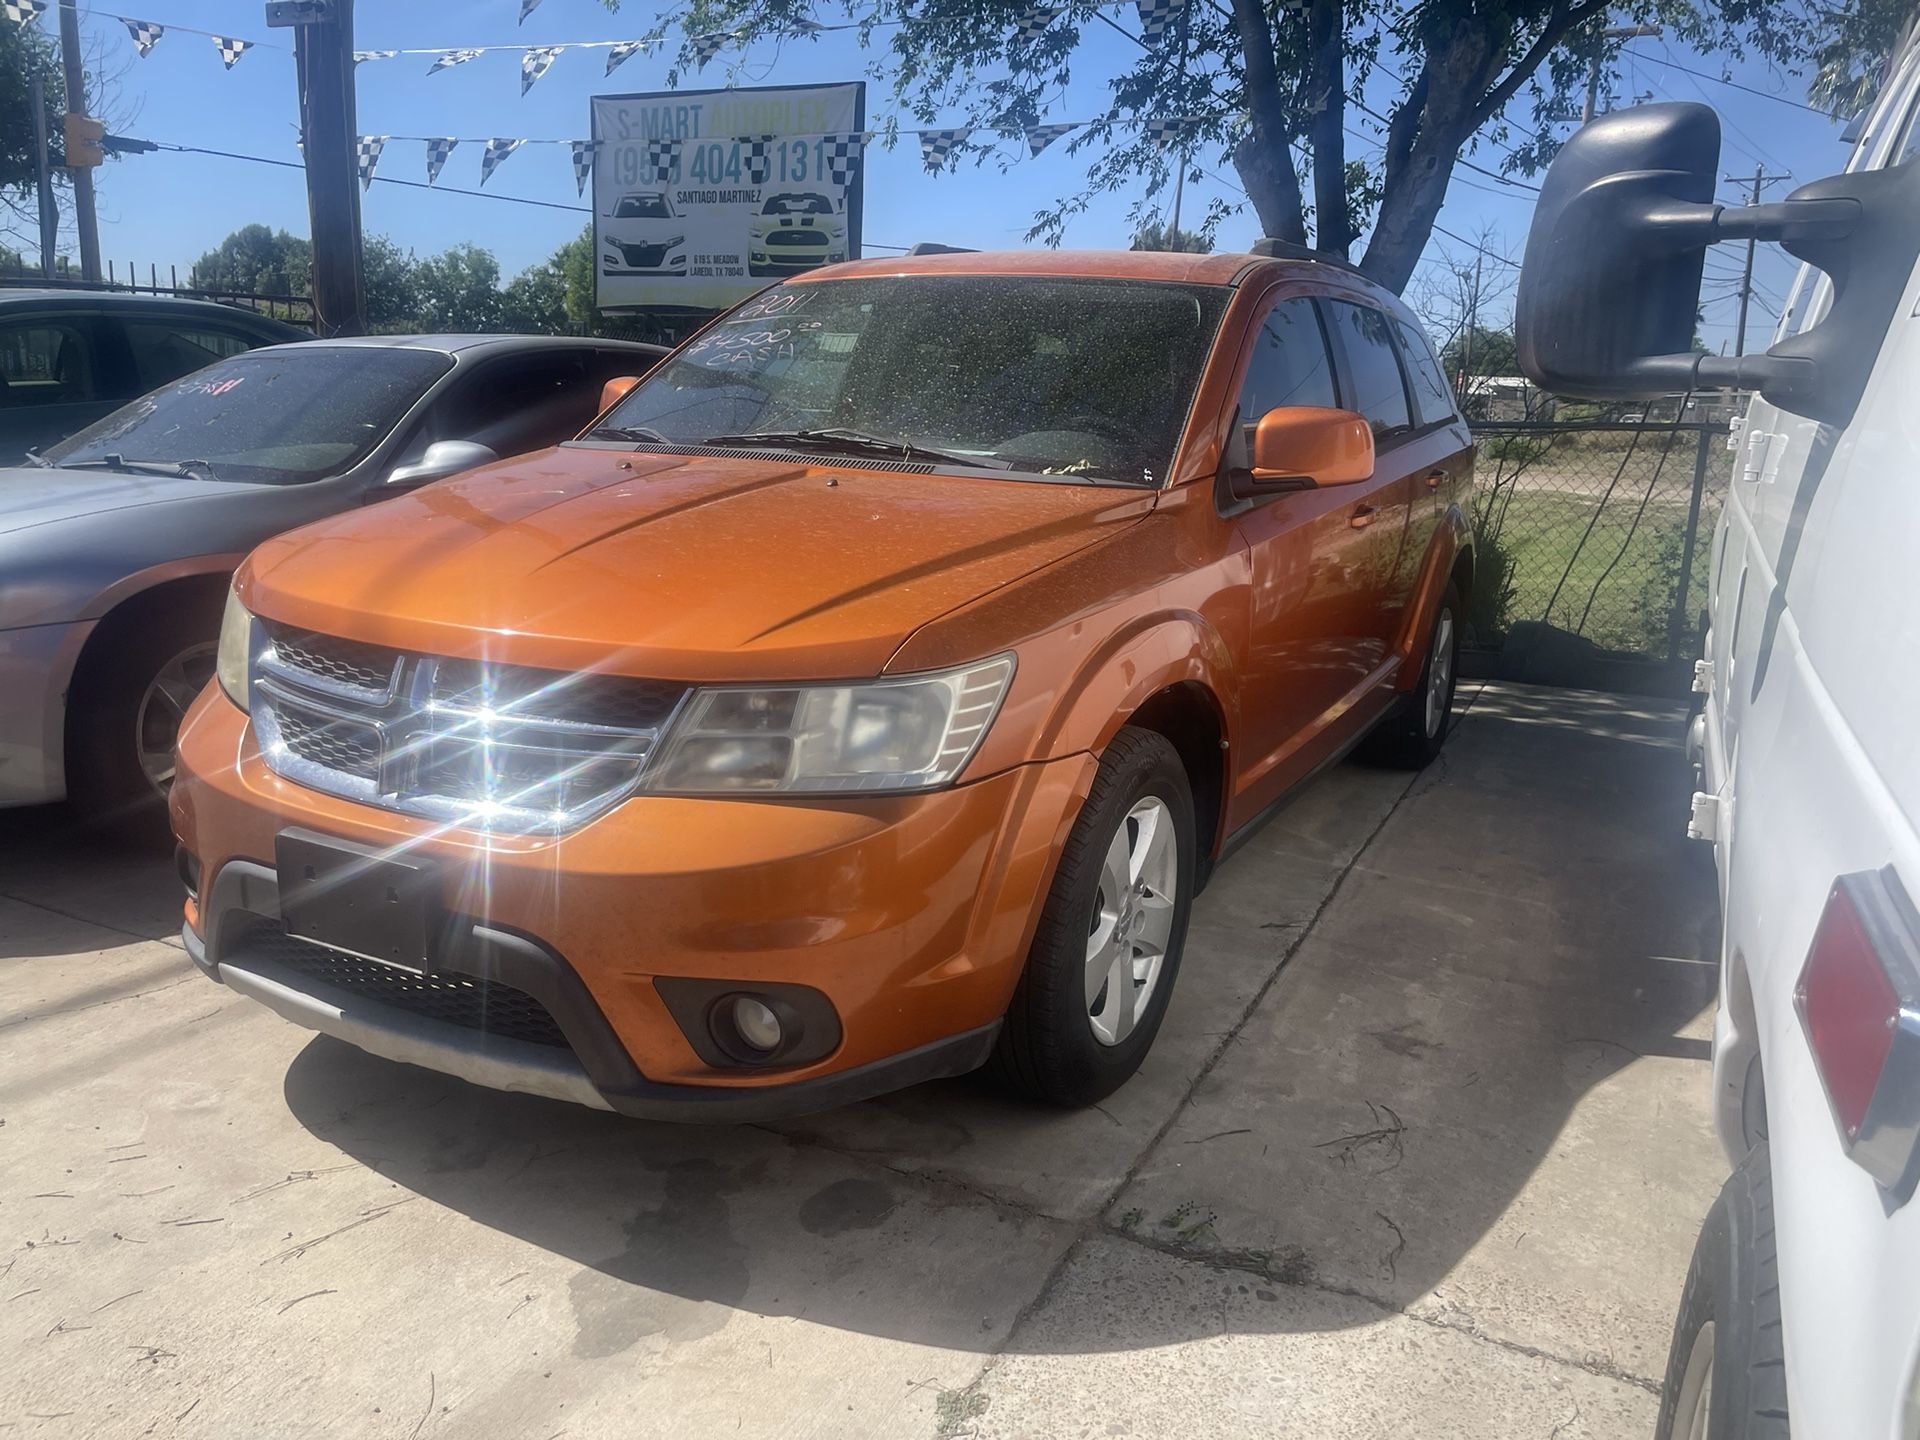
{"x": 1107, "y": 948}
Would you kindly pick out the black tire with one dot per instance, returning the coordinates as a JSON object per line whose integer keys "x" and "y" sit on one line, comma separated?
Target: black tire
{"x": 1047, "y": 1048}
{"x": 1404, "y": 738}
{"x": 108, "y": 787}
{"x": 1734, "y": 1285}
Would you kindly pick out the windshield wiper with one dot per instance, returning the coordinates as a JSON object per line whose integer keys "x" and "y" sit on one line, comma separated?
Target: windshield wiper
{"x": 855, "y": 441}
{"x": 184, "y": 469}
{"x": 643, "y": 433}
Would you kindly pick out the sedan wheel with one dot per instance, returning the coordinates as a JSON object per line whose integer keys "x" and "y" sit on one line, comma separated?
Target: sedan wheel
{"x": 163, "y": 705}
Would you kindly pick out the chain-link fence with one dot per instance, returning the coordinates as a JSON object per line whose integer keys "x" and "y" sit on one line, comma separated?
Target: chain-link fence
{"x": 1593, "y": 541}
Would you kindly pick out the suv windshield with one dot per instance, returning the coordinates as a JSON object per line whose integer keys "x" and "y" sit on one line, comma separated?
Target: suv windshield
{"x": 642, "y": 207}
{"x": 1045, "y": 376}
{"x": 269, "y": 417}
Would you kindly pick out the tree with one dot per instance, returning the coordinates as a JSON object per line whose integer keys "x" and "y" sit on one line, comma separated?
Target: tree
{"x": 459, "y": 290}
{"x": 392, "y": 286}
{"x": 1493, "y": 354}
{"x": 256, "y": 260}
{"x": 24, "y": 52}
{"x": 555, "y": 295}
{"x": 1278, "y": 90}
{"x": 1155, "y": 236}
{"x": 1853, "y": 47}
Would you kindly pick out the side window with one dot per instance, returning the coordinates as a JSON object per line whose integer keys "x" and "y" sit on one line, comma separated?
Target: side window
{"x": 1431, "y": 396}
{"x": 1287, "y": 365}
{"x": 47, "y": 362}
{"x": 521, "y": 403}
{"x": 1379, "y": 391}
{"x": 163, "y": 352}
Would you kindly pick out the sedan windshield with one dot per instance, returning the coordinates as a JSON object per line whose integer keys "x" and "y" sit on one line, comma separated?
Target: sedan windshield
{"x": 1072, "y": 377}
{"x": 279, "y": 416}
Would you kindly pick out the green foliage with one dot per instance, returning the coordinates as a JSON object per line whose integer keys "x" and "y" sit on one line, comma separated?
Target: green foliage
{"x": 459, "y": 290}
{"x": 23, "y": 51}
{"x": 1851, "y": 49}
{"x": 257, "y": 260}
{"x": 1493, "y": 353}
{"x": 1155, "y": 236}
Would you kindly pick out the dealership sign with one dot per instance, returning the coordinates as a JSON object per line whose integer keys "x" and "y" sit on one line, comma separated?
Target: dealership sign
{"x": 701, "y": 197}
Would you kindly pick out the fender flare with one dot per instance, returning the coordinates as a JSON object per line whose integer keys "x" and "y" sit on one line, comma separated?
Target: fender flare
{"x": 1452, "y": 538}
{"x": 1155, "y": 653}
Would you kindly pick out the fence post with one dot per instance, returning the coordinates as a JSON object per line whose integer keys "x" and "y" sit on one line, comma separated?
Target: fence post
{"x": 1676, "y": 622}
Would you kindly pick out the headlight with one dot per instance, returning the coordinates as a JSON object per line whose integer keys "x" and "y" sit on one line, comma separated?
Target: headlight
{"x": 676, "y": 240}
{"x": 912, "y": 733}
{"x": 236, "y": 648}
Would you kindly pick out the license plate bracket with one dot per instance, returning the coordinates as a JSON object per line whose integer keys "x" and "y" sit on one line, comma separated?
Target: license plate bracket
{"x": 359, "y": 899}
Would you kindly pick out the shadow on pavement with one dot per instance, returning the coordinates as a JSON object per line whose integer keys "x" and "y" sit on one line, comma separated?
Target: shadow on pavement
{"x": 1439, "y": 1066}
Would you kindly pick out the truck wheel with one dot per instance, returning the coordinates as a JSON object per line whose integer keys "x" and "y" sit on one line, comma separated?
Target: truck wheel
{"x": 1414, "y": 729}
{"x": 135, "y": 682}
{"x": 1726, "y": 1372}
{"x": 1107, "y": 949}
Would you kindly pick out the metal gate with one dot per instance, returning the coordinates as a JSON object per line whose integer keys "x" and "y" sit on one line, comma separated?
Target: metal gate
{"x": 1592, "y": 553}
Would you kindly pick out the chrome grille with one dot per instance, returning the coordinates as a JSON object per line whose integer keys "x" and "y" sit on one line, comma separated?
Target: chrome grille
{"x": 498, "y": 747}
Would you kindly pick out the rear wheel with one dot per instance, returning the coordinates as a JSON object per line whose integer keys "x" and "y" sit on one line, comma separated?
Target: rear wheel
{"x": 1413, "y": 732}
{"x": 136, "y": 680}
{"x": 1726, "y": 1370}
{"x": 1107, "y": 949}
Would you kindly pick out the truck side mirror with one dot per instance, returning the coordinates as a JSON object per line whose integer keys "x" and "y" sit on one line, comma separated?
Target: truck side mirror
{"x": 1610, "y": 286}
{"x": 1303, "y": 447}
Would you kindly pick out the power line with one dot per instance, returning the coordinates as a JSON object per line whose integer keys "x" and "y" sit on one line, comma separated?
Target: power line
{"x": 1736, "y": 85}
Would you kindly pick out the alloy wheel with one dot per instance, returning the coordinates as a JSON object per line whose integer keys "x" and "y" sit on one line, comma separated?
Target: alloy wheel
{"x": 1440, "y": 674}
{"x": 1695, "y": 1400}
{"x": 1132, "y": 920}
{"x": 162, "y": 707}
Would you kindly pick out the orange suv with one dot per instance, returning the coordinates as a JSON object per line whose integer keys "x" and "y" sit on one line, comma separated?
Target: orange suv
{"x": 861, "y": 700}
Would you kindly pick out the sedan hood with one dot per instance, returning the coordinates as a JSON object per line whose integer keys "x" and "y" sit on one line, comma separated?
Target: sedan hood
{"x": 30, "y": 495}
{"x": 676, "y": 566}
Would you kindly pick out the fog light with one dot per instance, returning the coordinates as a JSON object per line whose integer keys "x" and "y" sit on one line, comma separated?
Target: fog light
{"x": 756, "y": 1024}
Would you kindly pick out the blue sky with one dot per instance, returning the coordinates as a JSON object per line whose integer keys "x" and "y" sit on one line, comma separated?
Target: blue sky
{"x": 165, "y": 209}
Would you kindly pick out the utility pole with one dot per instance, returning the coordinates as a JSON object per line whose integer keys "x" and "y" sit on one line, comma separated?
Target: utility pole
{"x": 1760, "y": 179}
{"x": 49, "y": 215}
{"x": 323, "y": 56}
{"x": 86, "y": 220}
{"x": 1612, "y": 32}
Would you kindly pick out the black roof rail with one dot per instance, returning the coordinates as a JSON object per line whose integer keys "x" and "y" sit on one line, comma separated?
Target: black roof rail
{"x": 1271, "y": 249}
{"x": 934, "y": 247}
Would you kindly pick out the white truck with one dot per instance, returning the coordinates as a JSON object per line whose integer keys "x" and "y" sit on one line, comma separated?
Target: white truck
{"x": 1801, "y": 1312}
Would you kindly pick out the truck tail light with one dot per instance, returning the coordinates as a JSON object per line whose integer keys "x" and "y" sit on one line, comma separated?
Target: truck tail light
{"x": 1859, "y": 1003}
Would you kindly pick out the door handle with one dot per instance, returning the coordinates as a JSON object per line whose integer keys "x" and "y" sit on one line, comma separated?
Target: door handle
{"x": 1435, "y": 479}
{"x": 1363, "y": 516}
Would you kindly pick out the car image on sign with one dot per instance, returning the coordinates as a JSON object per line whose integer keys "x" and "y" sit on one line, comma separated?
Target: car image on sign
{"x": 795, "y": 230}
{"x": 644, "y": 235}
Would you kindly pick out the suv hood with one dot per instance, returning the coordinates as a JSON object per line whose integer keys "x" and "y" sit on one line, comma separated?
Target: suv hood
{"x": 682, "y": 567}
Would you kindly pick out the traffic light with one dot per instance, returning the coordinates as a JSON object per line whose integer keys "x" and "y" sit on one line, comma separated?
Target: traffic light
{"x": 84, "y": 134}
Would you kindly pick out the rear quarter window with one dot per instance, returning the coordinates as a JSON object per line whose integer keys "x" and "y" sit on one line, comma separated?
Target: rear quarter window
{"x": 1432, "y": 398}
{"x": 1373, "y": 368}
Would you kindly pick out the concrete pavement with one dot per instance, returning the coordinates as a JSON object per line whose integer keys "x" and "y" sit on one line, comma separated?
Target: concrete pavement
{"x": 1421, "y": 1149}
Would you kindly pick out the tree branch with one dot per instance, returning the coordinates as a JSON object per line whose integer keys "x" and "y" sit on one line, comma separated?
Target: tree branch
{"x": 1562, "y": 20}
{"x": 1327, "y": 101}
{"x": 1265, "y": 158}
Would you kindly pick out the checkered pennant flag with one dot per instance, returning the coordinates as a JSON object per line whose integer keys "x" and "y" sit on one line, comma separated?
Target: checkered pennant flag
{"x": 1032, "y": 22}
{"x": 582, "y": 163}
{"x": 438, "y": 149}
{"x": 497, "y": 150}
{"x": 450, "y": 58}
{"x": 801, "y": 25}
{"x": 1156, "y": 16}
{"x": 362, "y": 56}
{"x": 230, "y": 49}
{"x": 1041, "y": 136}
{"x": 368, "y": 155}
{"x": 1164, "y": 132}
{"x": 527, "y": 7}
{"x": 145, "y": 35}
{"x": 759, "y": 154}
{"x": 661, "y": 157}
{"x": 534, "y": 63}
{"x": 840, "y": 156}
{"x": 705, "y": 47}
{"x": 937, "y": 146}
{"x": 25, "y": 12}
{"x": 623, "y": 52}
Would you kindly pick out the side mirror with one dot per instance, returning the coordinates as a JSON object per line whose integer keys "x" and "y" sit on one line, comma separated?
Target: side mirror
{"x": 615, "y": 390}
{"x": 441, "y": 459}
{"x": 1303, "y": 447}
{"x": 1610, "y": 287}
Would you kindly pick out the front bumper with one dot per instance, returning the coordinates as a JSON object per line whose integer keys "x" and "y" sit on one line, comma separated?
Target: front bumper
{"x": 911, "y": 915}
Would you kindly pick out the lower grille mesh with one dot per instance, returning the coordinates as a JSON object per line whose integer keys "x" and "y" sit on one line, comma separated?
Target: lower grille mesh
{"x": 472, "y": 1004}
